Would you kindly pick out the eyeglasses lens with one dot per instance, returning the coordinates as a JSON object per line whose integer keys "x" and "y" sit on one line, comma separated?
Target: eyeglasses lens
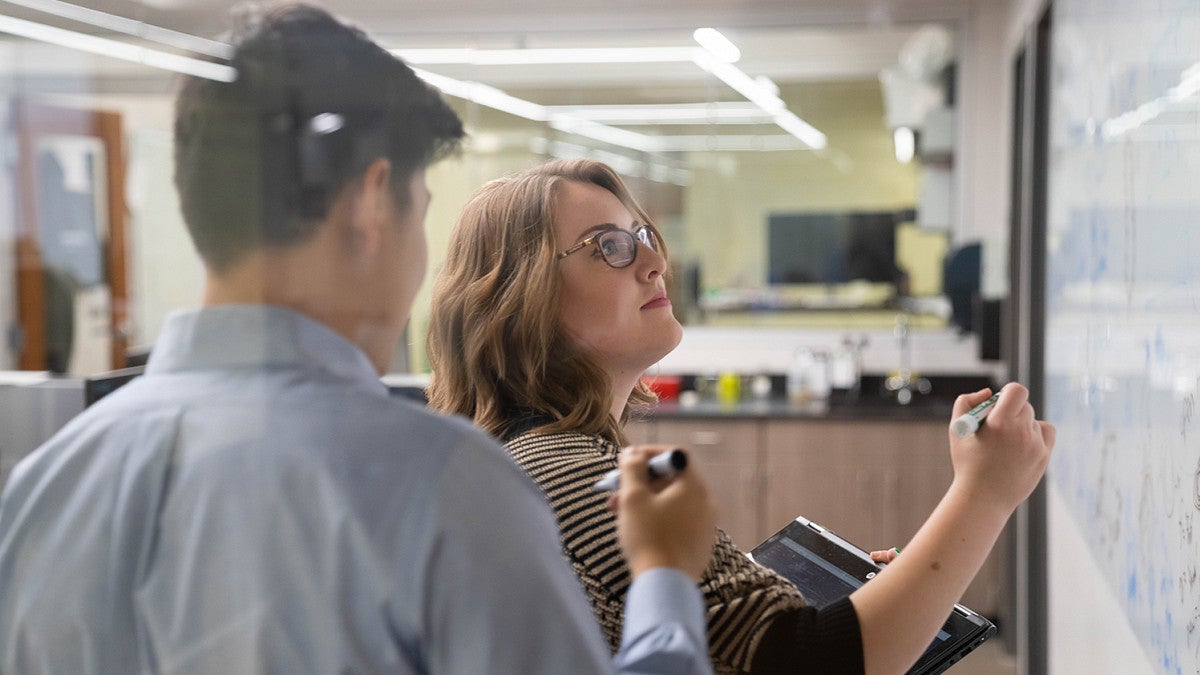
{"x": 618, "y": 247}
{"x": 646, "y": 236}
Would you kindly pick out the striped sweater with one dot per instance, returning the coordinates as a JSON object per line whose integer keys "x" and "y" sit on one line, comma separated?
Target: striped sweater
{"x": 757, "y": 621}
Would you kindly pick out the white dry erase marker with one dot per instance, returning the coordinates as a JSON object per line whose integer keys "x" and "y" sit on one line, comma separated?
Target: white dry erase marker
{"x": 968, "y": 423}
{"x": 667, "y": 463}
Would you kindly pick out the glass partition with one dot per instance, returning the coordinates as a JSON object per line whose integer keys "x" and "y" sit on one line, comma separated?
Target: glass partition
{"x": 803, "y": 123}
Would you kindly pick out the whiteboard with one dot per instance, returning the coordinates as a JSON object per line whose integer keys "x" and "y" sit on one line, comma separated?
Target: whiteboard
{"x": 1123, "y": 309}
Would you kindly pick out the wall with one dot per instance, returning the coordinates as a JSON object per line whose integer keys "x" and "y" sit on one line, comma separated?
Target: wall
{"x": 451, "y": 183}
{"x": 994, "y": 31}
{"x": 706, "y": 349}
{"x": 984, "y": 138}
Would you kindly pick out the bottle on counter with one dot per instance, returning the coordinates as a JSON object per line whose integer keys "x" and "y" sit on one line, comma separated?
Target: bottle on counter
{"x": 818, "y": 378}
{"x": 729, "y": 388}
{"x": 845, "y": 365}
{"x": 799, "y": 388}
{"x": 760, "y": 386}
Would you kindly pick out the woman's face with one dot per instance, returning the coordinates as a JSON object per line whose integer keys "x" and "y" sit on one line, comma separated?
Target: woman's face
{"x": 620, "y": 317}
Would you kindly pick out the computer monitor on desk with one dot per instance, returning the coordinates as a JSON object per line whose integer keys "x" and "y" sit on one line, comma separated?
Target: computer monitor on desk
{"x": 98, "y": 386}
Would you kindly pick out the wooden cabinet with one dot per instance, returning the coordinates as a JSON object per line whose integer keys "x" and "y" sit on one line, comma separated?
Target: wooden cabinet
{"x": 872, "y": 481}
{"x": 728, "y": 453}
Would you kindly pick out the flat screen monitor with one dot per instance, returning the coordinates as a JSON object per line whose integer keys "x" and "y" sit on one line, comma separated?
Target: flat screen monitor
{"x": 100, "y": 385}
{"x": 831, "y": 247}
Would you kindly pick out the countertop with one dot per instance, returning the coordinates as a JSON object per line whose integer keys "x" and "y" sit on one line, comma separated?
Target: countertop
{"x": 869, "y": 402}
{"x": 775, "y": 408}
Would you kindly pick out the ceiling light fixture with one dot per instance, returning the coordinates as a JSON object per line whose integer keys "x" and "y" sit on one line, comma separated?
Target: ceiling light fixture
{"x": 730, "y": 143}
{"x": 764, "y": 98}
{"x": 117, "y": 50}
{"x": 485, "y": 95}
{"x": 906, "y": 144}
{"x": 492, "y": 97}
{"x": 562, "y": 118}
{"x": 120, "y": 24}
{"x": 725, "y": 112}
{"x": 717, "y": 44}
{"x": 602, "y": 132}
{"x": 762, "y": 92}
{"x": 525, "y": 57}
{"x": 1189, "y": 86}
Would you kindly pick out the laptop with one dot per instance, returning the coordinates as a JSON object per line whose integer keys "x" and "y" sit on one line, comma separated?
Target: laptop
{"x": 826, "y": 567}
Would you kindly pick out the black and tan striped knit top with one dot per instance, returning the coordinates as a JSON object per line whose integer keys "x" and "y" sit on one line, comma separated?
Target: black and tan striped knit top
{"x": 757, "y": 621}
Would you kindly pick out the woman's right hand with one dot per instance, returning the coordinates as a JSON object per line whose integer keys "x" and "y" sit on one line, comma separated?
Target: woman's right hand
{"x": 1002, "y": 461}
{"x": 994, "y": 469}
{"x": 664, "y": 522}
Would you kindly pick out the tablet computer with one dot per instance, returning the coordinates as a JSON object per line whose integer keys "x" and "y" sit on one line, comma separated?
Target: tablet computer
{"x": 826, "y": 567}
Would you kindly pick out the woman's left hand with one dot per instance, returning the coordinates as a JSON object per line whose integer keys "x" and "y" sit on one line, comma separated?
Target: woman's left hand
{"x": 885, "y": 557}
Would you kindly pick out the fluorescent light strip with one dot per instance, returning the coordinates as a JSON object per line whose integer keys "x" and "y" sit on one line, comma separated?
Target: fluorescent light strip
{"x": 787, "y": 120}
{"x": 1189, "y": 85}
{"x": 731, "y": 143}
{"x": 494, "y": 98}
{"x": 683, "y": 113}
{"x": 117, "y": 50}
{"x": 717, "y": 44}
{"x": 525, "y": 57}
{"x": 756, "y": 92}
{"x": 906, "y": 144}
{"x": 602, "y": 132}
{"x": 485, "y": 95}
{"x": 656, "y": 171}
{"x": 131, "y": 27}
{"x": 763, "y": 98}
{"x": 574, "y": 124}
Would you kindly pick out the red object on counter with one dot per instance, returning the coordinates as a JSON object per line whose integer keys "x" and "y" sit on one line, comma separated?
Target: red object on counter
{"x": 666, "y": 386}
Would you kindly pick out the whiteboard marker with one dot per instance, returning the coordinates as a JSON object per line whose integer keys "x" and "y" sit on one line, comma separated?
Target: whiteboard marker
{"x": 668, "y": 463}
{"x": 968, "y": 423}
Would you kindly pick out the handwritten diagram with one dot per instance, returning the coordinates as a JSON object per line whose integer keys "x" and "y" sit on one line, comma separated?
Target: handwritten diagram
{"x": 1123, "y": 306}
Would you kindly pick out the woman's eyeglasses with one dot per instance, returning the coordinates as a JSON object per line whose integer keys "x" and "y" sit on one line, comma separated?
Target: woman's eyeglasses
{"x": 618, "y": 247}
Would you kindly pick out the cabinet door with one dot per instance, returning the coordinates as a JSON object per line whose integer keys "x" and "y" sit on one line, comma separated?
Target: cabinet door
{"x": 842, "y": 475}
{"x": 873, "y": 482}
{"x": 727, "y": 451}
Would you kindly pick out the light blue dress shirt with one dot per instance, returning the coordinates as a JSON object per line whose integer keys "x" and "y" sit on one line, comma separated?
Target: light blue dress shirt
{"x": 256, "y": 502}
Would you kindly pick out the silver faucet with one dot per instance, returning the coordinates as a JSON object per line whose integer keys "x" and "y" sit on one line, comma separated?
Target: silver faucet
{"x": 903, "y": 381}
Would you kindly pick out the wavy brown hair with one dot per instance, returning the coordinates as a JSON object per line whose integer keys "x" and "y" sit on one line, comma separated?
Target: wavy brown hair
{"x": 497, "y": 348}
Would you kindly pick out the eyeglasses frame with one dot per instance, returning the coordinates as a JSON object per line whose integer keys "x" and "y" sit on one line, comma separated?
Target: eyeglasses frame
{"x": 642, "y": 234}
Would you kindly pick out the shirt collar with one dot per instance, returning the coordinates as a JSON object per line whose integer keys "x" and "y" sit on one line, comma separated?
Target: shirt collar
{"x": 255, "y": 336}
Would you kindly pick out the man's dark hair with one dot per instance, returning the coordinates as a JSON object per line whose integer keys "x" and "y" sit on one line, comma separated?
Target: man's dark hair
{"x": 259, "y": 161}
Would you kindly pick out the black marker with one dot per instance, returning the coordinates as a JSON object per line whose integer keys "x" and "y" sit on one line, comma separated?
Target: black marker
{"x": 667, "y": 463}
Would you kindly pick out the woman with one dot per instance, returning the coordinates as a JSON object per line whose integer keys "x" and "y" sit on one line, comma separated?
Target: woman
{"x": 550, "y": 306}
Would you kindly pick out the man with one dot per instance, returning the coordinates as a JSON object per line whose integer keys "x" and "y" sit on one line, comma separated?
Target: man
{"x": 256, "y": 502}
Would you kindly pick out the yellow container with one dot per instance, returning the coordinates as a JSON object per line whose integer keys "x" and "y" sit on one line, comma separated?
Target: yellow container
{"x": 729, "y": 388}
